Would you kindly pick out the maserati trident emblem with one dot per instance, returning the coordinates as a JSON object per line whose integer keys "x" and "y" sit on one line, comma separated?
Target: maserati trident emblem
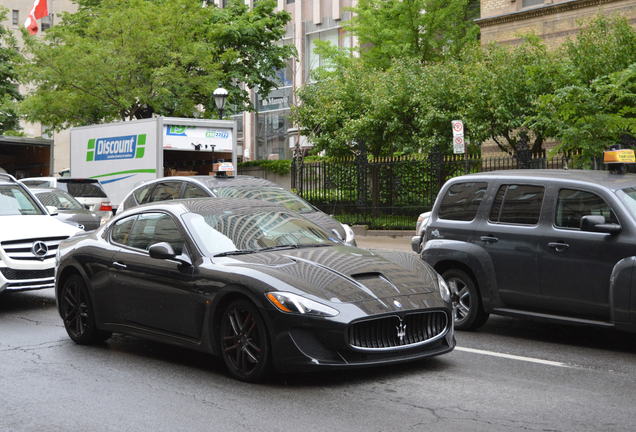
{"x": 39, "y": 249}
{"x": 401, "y": 331}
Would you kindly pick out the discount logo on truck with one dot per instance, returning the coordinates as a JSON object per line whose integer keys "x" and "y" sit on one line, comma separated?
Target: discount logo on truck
{"x": 121, "y": 147}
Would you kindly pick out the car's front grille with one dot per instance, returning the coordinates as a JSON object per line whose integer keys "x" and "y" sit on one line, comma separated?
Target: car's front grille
{"x": 392, "y": 331}
{"x": 13, "y": 274}
{"x": 22, "y": 250}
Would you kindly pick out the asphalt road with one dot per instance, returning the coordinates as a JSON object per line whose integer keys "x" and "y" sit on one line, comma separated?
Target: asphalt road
{"x": 510, "y": 375}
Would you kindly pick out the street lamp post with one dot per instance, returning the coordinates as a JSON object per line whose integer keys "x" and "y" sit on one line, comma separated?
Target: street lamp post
{"x": 220, "y": 95}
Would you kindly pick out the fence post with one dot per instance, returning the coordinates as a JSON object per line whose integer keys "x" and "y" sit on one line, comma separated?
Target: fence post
{"x": 361, "y": 168}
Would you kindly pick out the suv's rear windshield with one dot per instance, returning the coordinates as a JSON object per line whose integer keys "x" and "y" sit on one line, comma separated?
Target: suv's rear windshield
{"x": 83, "y": 189}
{"x": 14, "y": 201}
{"x": 462, "y": 200}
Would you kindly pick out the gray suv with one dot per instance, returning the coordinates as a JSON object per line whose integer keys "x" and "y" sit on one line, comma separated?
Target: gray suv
{"x": 548, "y": 244}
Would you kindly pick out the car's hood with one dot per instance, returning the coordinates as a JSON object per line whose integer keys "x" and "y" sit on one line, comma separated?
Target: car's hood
{"x": 88, "y": 220}
{"x": 29, "y": 227}
{"x": 326, "y": 222}
{"x": 343, "y": 274}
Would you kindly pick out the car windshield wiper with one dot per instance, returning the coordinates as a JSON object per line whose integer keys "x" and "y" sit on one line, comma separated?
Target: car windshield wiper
{"x": 235, "y": 252}
{"x": 279, "y": 247}
{"x": 315, "y": 245}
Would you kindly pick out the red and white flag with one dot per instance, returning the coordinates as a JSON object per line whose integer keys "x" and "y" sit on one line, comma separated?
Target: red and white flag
{"x": 39, "y": 10}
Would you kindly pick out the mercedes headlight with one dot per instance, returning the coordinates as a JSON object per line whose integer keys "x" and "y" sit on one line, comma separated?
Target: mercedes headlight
{"x": 293, "y": 303}
{"x": 443, "y": 288}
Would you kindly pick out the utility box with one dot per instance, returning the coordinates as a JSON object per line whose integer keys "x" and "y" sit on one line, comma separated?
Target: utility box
{"x": 122, "y": 155}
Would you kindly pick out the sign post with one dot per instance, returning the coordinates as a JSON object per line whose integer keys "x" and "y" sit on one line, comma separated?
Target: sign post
{"x": 459, "y": 145}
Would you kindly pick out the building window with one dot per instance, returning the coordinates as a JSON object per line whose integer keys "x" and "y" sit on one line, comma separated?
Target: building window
{"x": 526, "y": 3}
{"x": 314, "y": 60}
{"x": 290, "y": 1}
{"x": 271, "y": 134}
{"x": 15, "y": 17}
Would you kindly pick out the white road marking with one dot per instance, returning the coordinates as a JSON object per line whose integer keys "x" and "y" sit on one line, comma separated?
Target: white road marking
{"x": 513, "y": 357}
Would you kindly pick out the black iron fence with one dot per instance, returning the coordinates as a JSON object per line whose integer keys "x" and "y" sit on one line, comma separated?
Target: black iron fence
{"x": 390, "y": 193}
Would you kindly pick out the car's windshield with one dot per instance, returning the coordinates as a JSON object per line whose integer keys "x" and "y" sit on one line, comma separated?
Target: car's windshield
{"x": 83, "y": 189}
{"x": 628, "y": 196}
{"x": 15, "y": 201}
{"x": 59, "y": 199}
{"x": 248, "y": 231}
{"x": 271, "y": 194}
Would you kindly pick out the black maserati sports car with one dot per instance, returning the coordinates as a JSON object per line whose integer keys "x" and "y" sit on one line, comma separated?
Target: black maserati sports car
{"x": 259, "y": 285}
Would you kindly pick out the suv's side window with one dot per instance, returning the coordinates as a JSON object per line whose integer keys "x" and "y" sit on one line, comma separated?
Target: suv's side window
{"x": 192, "y": 191}
{"x": 462, "y": 200}
{"x": 517, "y": 204}
{"x": 165, "y": 191}
{"x": 152, "y": 228}
{"x": 121, "y": 230}
{"x": 573, "y": 204}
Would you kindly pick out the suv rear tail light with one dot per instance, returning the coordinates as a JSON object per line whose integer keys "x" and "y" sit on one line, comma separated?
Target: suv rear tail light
{"x": 106, "y": 206}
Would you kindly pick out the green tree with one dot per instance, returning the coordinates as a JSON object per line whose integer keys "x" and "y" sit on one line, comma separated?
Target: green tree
{"x": 502, "y": 87}
{"x": 9, "y": 94}
{"x": 587, "y": 119}
{"x": 426, "y": 30}
{"x": 116, "y": 59}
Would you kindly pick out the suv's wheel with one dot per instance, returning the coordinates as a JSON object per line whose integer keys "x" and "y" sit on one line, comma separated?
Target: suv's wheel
{"x": 244, "y": 341}
{"x": 77, "y": 312}
{"x": 468, "y": 311}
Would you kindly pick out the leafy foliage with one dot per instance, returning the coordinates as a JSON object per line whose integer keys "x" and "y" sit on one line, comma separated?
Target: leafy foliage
{"x": 280, "y": 167}
{"x": 425, "y": 30}
{"x": 9, "y": 95}
{"x": 116, "y": 59}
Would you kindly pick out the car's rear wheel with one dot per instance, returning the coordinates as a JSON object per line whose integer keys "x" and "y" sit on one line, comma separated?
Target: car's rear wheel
{"x": 77, "y": 312}
{"x": 244, "y": 341}
{"x": 468, "y": 311}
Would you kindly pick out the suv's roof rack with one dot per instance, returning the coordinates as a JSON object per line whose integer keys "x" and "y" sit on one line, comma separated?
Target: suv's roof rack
{"x": 8, "y": 177}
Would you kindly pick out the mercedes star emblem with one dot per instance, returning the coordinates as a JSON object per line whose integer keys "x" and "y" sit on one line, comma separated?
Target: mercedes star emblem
{"x": 39, "y": 249}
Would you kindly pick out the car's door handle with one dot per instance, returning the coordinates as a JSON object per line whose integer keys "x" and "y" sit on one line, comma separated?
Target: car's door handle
{"x": 119, "y": 265}
{"x": 559, "y": 247}
{"x": 489, "y": 239}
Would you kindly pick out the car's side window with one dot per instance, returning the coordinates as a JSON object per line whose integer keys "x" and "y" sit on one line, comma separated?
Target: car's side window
{"x": 142, "y": 194}
{"x": 517, "y": 204}
{"x": 120, "y": 232}
{"x": 573, "y": 204}
{"x": 193, "y": 191}
{"x": 462, "y": 200}
{"x": 165, "y": 191}
{"x": 152, "y": 228}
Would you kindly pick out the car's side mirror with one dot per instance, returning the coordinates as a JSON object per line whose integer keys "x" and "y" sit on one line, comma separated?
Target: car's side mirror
{"x": 161, "y": 250}
{"x": 53, "y": 211}
{"x": 596, "y": 223}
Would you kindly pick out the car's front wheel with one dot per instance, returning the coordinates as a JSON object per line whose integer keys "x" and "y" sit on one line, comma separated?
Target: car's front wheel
{"x": 77, "y": 312}
{"x": 244, "y": 341}
{"x": 468, "y": 311}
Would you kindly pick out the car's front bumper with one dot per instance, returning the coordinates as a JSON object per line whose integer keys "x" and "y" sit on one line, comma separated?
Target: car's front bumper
{"x": 304, "y": 346}
{"x": 12, "y": 279}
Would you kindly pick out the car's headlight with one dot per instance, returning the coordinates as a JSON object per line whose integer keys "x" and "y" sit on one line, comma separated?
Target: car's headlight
{"x": 443, "y": 288}
{"x": 350, "y": 236}
{"x": 293, "y": 303}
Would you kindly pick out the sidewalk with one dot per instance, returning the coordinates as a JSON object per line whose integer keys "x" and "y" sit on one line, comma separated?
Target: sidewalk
{"x": 384, "y": 242}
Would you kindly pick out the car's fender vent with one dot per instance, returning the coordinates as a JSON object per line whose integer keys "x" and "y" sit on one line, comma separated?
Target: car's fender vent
{"x": 393, "y": 332}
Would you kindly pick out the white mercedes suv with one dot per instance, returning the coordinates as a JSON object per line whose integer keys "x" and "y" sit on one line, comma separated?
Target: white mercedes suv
{"x": 29, "y": 238}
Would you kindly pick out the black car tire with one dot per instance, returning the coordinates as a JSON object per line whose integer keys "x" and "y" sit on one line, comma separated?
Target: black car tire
{"x": 468, "y": 311}
{"x": 244, "y": 341}
{"x": 77, "y": 312}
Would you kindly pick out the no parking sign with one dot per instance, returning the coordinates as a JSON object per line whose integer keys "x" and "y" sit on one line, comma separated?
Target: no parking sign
{"x": 459, "y": 146}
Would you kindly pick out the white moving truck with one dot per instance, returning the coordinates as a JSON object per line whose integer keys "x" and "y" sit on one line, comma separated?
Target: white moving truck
{"x": 123, "y": 154}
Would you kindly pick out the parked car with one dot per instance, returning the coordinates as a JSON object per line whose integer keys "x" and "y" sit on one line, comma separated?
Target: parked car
{"x": 418, "y": 240}
{"x": 68, "y": 209}
{"x": 169, "y": 188}
{"x": 536, "y": 243}
{"x": 87, "y": 191}
{"x": 254, "y": 283}
{"x": 29, "y": 238}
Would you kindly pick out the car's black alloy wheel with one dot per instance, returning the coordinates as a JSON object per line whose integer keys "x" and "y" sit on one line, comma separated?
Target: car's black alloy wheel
{"x": 77, "y": 312}
{"x": 468, "y": 311}
{"x": 244, "y": 341}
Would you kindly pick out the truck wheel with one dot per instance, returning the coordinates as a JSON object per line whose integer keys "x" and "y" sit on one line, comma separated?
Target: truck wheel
{"x": 468, "y": 311}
